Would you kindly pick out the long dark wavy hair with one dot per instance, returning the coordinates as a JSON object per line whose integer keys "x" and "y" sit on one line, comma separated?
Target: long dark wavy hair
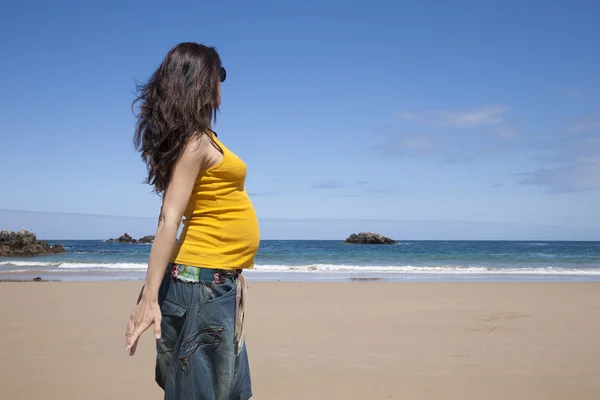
{"x": 180, "y": 100}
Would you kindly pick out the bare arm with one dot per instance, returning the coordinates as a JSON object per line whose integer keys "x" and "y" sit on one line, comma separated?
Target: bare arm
{"x": 175, "y": 201}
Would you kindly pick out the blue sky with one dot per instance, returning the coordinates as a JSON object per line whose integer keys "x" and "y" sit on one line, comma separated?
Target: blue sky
{"x": 433, "y": 112}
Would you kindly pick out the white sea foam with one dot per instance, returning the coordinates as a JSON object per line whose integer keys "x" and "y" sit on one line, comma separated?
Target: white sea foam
{"x": 75, "y": 265}
{"x": 30, "y": 263}
{"x": 544, "y": 255}
{"x": 447, "y": 269}
{"x": 109, "y": 266}
{"x": 312, "y": 268}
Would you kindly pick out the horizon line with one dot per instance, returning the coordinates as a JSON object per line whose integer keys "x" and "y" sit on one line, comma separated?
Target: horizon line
{"x": 357, "y": 244}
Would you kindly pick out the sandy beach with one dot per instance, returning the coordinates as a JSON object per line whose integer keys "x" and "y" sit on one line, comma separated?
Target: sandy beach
{"x": 359, "y": 340}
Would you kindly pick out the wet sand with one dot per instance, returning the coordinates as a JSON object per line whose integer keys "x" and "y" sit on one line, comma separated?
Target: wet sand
{"x": 355, "y": 340}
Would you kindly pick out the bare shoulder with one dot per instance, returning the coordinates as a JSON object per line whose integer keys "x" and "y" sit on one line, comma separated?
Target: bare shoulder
{"x": 192, "y": 159}
{"x": 197, "y": 151}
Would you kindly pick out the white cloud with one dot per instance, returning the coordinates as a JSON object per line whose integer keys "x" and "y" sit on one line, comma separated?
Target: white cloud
{"x": 489, "y": 115}
{"x": 505, "y": 132}
{"x": 580, "y": 170}
{"x": 419, "y": 142}
{"x": 585, "y": 125}
{"x": 571, "y": 178}
{"x": 328, "y": 185}
{"x": 334, "y": 184}
{"x": 451, "y": 149}
{"x": 414, "y": 145}
{"x": 351, "y": 189}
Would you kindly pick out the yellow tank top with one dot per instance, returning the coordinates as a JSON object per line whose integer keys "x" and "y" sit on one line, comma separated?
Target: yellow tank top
{"x": 220, "y": 227}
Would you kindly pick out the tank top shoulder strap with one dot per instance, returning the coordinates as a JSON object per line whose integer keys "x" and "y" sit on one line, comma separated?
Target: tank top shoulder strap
{"x": 212, "y": 135}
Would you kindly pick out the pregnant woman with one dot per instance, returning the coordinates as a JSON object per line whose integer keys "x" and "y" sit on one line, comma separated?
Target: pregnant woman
{"x": 194, "y": 293}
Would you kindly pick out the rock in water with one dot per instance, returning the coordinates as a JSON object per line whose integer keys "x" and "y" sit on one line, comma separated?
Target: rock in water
{"x": 146, "y": 239}
{"x": 25, "y": 243}
{"x": 369, "y": 238}
{"x": 123, "y": 239}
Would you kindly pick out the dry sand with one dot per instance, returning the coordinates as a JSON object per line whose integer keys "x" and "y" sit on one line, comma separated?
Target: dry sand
{"x": 363, "y": 340}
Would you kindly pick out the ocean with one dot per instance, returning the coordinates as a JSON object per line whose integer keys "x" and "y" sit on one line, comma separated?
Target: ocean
{"x": 300, "y": 260}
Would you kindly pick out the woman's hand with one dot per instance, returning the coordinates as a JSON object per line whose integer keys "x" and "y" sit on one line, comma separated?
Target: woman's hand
{"x": 146, "y": 313}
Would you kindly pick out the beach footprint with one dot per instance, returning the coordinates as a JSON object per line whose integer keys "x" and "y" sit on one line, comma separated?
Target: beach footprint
{"x": 493, "y": 322}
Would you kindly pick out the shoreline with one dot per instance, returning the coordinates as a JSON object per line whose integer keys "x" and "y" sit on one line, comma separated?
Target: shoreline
{"x": 293, "y": 276}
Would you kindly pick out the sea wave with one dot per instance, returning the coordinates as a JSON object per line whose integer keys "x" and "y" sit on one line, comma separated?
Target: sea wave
{"x": 446, "y": 269}
{"x": 30, "y": 263}
{"x": 76, "y": 265}
{"x": 110, "y": 266}
{"x": 64, "y": 266}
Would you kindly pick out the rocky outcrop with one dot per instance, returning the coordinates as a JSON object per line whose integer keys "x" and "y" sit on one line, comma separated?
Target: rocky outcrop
{"x": 128, "y": 239}
{"x": 122, "y": 239}
{"x": 25, "y": 243}
{"x": 146, "y": 239}
{"x": 369, "y": 238}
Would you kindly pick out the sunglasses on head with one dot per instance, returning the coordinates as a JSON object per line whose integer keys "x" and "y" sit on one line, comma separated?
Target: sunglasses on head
{"x": 222, "y": 74}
